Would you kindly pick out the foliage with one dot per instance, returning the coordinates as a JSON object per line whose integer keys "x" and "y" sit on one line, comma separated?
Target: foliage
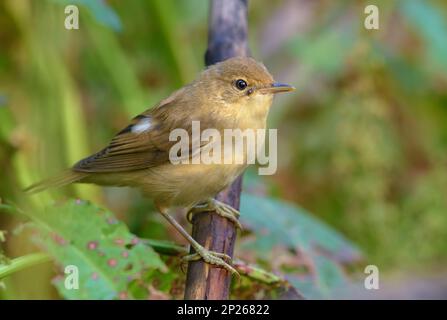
{"x": 107, "y": 256}
{"x": 112, "y": 263}
{"x": 291, "y": 226}
{"x": 318, "y": 249}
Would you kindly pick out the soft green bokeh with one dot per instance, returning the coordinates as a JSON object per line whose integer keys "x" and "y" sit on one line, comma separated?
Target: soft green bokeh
{"x": 362, "y": 143}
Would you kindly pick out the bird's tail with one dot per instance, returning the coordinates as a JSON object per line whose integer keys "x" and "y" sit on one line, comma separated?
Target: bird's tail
{"x": 62, "y": 179}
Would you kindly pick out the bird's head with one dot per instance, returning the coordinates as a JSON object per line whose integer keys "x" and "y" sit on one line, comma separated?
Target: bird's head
{"x": 240, "y": 86}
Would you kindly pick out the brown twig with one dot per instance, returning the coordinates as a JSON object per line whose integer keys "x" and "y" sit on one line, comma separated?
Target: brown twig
{"x": 227, "y": 38}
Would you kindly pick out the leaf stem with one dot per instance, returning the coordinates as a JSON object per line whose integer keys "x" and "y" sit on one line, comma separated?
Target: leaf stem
{"x": 165, "y": 247}
{"x": 23, "y": 262}
{"x": 257, "y": 273}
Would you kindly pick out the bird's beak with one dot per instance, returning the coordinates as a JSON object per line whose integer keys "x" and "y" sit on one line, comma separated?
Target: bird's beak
{"x": 277, "y": 87}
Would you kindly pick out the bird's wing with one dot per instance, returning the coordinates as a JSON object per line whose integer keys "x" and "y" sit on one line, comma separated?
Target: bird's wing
{"x": 144, "y": 143}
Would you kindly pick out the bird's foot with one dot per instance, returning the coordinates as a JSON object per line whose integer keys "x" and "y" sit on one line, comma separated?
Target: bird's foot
{"x": 218, "y": 259}
{"x": 222, "y": 209}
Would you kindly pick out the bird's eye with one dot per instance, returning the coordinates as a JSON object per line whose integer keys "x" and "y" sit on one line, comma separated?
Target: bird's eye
{"x": 240, "y": 84}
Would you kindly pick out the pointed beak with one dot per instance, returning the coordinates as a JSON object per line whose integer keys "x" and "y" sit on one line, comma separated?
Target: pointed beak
{"x": 277, "y": 87}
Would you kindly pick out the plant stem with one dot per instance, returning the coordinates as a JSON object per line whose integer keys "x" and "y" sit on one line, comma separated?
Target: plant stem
{"x": 23, "y": 262}
{"x": 165, "y": 247}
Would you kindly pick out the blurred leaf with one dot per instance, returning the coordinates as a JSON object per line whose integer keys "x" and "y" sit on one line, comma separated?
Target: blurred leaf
{"x": 431, "y": 24}
{"x": 3, "y": 100}
{"x": 4, "y": 260}
{"x": 101, "y": 11}
{"x": 117, "y": 66}
{"x": 107, "y": 255}
{"x": 313, "y": 53}
{"x": 167, "y": 15}
{"x": 406, "y": 74}
{"x": 306, "y": 286}
{"x": 7, "y": 122}
{"x": 328, "y": 277}
{"x": 277, "y": 222}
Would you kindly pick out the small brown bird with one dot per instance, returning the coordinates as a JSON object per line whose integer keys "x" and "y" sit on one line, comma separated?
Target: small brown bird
{"x": 233, "y": 94}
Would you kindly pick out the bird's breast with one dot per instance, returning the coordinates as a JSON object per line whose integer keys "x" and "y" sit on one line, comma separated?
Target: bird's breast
{"x": 187, "y": 184}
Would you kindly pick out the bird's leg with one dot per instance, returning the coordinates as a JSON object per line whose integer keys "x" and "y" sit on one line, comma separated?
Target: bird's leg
{"x": 222, "y": 209}
{"x": 211, "y": 257}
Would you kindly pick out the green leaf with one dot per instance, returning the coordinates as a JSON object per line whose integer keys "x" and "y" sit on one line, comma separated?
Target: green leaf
{"x": 329, "y": 275}
{"x": 278, "y": 222}
{"x": 107, "y": 255}
{"x": 306, "y": 285}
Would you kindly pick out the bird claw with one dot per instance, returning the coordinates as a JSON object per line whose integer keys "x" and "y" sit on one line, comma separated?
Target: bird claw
{"x": 218, "y": 259}
{"x": 222, "y": 209}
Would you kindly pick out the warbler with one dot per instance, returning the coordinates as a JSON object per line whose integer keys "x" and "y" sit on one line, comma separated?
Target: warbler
{"x": 234, "y": 94}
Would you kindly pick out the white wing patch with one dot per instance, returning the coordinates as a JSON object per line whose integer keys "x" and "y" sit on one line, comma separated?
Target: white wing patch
{"x": 142, "y": 126}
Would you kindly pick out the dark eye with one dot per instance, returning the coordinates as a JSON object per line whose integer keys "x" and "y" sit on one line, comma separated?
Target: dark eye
{"x": 240, "y": 84}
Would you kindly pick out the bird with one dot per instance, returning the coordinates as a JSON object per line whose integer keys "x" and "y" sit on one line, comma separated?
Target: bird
{"x": 233, "y": 94}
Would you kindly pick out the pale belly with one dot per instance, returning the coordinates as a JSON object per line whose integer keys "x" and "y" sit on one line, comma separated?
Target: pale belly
{"x": 189, "y": 184}
{"x": 175, "y": 185}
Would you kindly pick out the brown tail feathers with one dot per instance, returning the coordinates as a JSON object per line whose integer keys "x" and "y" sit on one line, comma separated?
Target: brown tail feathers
{"x": 60, "y": 180}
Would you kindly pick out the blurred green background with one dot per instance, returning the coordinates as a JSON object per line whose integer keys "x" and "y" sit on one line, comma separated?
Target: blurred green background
{"x": 362, "y": 143}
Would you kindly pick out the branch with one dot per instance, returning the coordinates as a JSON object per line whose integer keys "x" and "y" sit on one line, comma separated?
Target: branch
{"x": 24, "y": 262}
{"x": 227, "y": 38}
